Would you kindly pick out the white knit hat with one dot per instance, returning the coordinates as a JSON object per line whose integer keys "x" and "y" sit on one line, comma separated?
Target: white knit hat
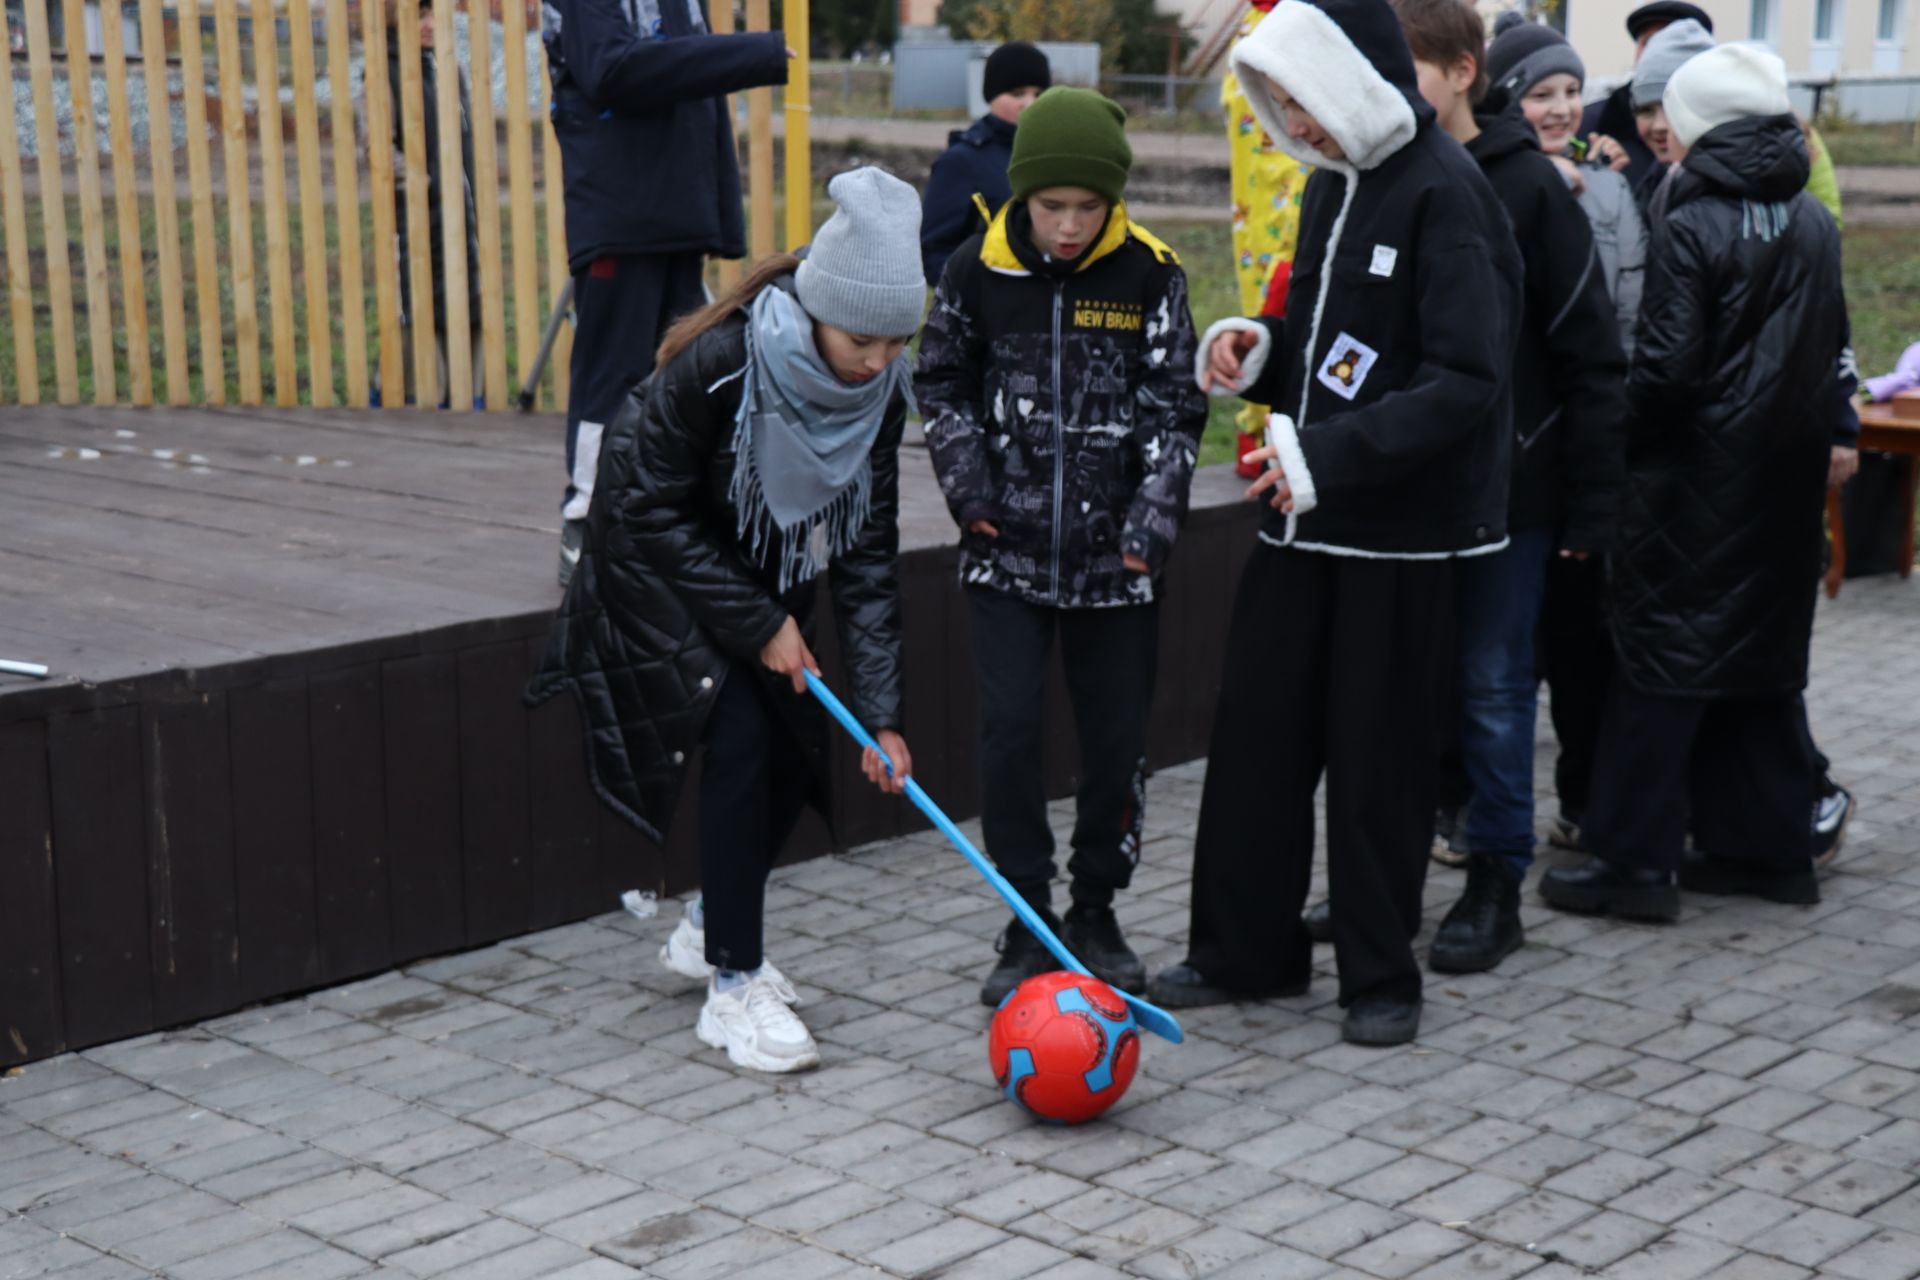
{"x": 1724, "y": 84}
{"x": 863, "y": 272}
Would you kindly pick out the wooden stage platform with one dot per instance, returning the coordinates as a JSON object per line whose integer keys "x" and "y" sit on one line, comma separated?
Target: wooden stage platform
{"x": 283, "y": 744}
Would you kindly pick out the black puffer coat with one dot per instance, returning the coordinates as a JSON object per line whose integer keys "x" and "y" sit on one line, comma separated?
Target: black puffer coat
{"x": 665, "y": 602}
{"x": 1741, "y": 354}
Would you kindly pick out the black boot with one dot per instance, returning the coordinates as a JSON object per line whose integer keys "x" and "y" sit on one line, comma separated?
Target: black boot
{"x": 1093, "y": 935}
{"x": 1703, "y": 873}
{"x": 1318, "y": 921}
{"x": 1599, "y": 886}
{"x": 1022, "y": 956}
{"x": 1381, "y": 1022}
{"x": 1484, "y": 926}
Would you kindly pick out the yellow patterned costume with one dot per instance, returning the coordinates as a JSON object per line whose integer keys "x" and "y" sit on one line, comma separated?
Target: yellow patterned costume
{"x": 1267, "y": 185}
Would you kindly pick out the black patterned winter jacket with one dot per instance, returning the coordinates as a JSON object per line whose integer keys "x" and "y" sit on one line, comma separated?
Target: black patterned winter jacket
{"x": 1060, "y": 406}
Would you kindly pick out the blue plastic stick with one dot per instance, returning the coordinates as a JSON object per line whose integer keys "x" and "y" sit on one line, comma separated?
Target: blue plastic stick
{"x": 1150, "y": 1016}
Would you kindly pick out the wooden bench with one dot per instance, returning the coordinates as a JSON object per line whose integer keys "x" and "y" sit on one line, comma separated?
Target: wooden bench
{"x": 1892, "y": 428}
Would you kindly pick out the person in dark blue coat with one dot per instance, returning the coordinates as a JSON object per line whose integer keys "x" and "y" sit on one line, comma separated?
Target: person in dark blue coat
{"x": 652, "y": 187}
{"x": 976, "y": 158}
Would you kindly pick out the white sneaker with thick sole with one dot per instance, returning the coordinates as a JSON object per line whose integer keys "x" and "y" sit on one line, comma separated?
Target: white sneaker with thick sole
{"x": 756, "y": 1028}
{"x": 685, "y": 953}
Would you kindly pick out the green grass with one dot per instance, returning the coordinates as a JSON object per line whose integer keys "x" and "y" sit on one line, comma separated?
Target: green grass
{"x": 1872, "y": 144}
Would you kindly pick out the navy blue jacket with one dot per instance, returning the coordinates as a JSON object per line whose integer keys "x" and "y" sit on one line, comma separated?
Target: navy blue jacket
{"x": 975, "y": 161}
{"x": 646, "y": 148}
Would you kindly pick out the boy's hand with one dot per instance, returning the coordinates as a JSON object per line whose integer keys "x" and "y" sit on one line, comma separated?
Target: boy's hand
{"x": 1571, "y": 172}
{"x": 1134, "y": 564}
{"x": 985, "y": 528}
{"x": 898, "y": 757}
{"x": 1270, "y": 478}
{"x": 1842, "y": 465}
{"x": 1608, "y": 152}
{"x": 787, "y": 653}
{"x": 1223, "y": 359}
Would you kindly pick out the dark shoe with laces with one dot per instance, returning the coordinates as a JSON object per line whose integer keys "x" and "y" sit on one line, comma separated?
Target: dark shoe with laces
{"x": 1597, "y": 886}
{"x": 1484, "y": 926}
{"x": 1830, "y": 814}
{"x": 1318, "y": 921}
{"x": 1374, "y": 1021}
{"x": 1022, "y": 956}
{"x": 1184, "y": 987}
{"x": 1093, "y": 935}
{"x": 1703, "y": 873}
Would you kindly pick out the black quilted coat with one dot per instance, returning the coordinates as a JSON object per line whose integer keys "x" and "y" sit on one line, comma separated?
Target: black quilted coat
{"x": 665, "y": 605}
{"x": 1741, "y": 353}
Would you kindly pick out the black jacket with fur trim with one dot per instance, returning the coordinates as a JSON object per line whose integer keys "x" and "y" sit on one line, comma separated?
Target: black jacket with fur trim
{"x": 1060, "y": 407}
{"x": 1390, "y": 373}
{"x": 1569, "y": 372}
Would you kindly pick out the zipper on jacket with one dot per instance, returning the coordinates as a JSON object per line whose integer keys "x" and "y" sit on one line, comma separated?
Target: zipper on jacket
{"x": 1059, "y": 435}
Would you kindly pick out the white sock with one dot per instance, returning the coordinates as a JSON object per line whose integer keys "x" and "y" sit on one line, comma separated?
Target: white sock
{"x": 728, "y": 979}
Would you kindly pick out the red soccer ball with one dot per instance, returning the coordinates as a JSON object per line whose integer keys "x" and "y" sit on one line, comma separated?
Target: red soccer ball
{"x": 1064, "y": 1046}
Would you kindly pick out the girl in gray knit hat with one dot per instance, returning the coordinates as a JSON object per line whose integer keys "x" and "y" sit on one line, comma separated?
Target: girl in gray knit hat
{"x": 763, "y": 451}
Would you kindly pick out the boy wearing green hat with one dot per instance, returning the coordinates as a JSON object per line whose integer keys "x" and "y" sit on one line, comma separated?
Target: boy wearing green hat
{"x": 1063, "y": 429}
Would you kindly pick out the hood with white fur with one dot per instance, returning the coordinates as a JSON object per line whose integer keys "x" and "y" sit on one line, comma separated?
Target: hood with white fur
{"x": 1348, "y": 66}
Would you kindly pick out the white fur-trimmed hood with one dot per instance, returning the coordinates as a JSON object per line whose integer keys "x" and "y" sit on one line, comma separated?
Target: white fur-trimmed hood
{"x": 1302, "y": 47}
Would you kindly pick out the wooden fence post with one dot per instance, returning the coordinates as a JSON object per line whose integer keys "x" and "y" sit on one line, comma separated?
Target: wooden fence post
{"x": 53, "y": 206}
{"x": 760, "y": 235}
{"x": 557, "y": 271}
{"x": 206, "y": 259}
{"x": 93, "y": 233}
{"x": 386, "y": 285}
{"x": 346, "y": 196}
{"x": 13, "y": 206}
{"x": 126, "y": 200}
{"x": 527, "y": 319}
{"x": 799, "y": 117}
{"x": 313, "y": 213}
{"x": 486, "y": 206}
{"x": 235, "y": 173}
{"x": 453, "y": 209}
{"x": 413, "y": 133}
{"x": 273, "y": 185}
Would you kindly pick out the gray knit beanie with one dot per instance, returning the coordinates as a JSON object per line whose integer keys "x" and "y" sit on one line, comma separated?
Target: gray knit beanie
{"x": 863, "y": 272}
{"x": 1670, "y": 46}
{"x": 1526, "y": 53}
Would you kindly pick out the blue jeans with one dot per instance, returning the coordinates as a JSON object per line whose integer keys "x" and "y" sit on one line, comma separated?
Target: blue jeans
{"x": 1498, "y": 600}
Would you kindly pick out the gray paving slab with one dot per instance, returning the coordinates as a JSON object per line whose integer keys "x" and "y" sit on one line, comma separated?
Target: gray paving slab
{"x": 1734, "y": 1096}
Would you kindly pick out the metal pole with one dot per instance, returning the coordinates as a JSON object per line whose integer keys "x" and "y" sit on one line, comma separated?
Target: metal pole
{"x": 530, "y": 383}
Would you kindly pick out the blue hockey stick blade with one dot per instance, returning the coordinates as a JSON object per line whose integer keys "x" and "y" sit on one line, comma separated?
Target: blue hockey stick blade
{"x": 1148, "y": 1015}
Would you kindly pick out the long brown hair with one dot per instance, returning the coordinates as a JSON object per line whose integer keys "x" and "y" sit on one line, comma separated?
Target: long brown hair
{"x": 688, "y": 327}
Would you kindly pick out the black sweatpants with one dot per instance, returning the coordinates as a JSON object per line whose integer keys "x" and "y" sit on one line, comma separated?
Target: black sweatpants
{"x": 1109, "y": 656}
{"x": 623, "y": 305}
{"x": 1340, "y": 666}
{"x": 1736, "y": 772}
{"x": 753, "y": 784}
{"x": 1576, "y": 657}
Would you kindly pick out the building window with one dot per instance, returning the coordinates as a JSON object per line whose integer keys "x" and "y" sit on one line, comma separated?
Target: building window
{"x": 1826, "y": 21}
{"x": 1761, "y": 19}
{"x": 1887, "y": 31}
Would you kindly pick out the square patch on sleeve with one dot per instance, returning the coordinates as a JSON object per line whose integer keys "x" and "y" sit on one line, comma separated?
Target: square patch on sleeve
{"x": 1345, "y": 368}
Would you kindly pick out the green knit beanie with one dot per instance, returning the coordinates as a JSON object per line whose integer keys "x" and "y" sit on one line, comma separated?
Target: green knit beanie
{"x": 1071, "y": 138}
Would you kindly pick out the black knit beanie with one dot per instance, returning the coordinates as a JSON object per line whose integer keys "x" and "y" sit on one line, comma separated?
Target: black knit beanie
{"x": 1015, "y": 65}
{"x": 1665, "y": 11}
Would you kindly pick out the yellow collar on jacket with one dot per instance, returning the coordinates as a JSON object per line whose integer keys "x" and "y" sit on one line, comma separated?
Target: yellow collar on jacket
{"x": 996, "y": 251}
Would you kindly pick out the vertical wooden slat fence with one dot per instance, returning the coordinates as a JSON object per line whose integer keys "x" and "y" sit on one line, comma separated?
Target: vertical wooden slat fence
{"x": 208, "y": 114}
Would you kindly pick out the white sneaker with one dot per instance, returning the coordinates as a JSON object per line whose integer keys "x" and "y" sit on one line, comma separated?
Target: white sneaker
{"x": 756, "y": 1028}
{"x": 685, "y": 953}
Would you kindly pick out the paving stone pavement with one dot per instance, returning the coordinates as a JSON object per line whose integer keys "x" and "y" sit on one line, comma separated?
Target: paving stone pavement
{"x": 1736, "y": 1096}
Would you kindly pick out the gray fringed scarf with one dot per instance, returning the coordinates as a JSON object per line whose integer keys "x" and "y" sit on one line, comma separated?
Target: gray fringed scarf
{"x": 801, "y": 472}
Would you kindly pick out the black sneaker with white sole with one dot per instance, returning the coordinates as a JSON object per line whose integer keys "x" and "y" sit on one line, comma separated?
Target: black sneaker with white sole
{"x": 1093, "y": 935}
{"x": 1022, "y": 956}
{"x": 1830, "y": 815}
